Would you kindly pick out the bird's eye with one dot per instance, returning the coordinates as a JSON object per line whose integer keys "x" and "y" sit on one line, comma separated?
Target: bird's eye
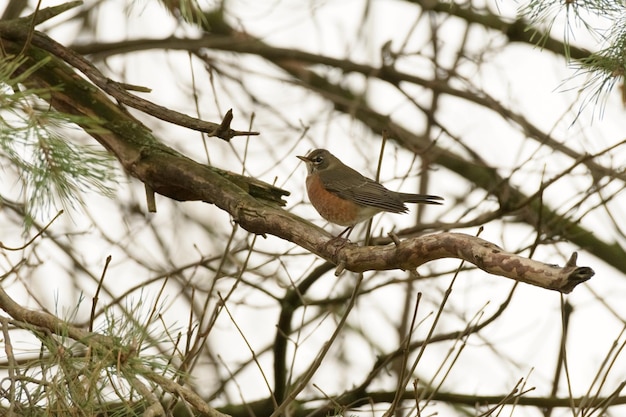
{"x": 318, "y": 159}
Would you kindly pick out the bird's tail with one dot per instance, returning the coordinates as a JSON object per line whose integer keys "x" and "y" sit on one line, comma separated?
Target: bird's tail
{"x": 421, "y": 198}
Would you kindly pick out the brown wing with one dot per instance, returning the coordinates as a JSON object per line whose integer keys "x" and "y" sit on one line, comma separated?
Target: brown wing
{"x": 421, "y": 198}
{"x": 355, "y": 187}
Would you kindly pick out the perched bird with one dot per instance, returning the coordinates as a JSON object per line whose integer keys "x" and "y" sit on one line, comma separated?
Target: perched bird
{"x": 343, "y": 196}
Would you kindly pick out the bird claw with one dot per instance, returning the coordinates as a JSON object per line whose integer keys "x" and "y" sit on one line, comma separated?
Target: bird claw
{"x": 337, "y": 243}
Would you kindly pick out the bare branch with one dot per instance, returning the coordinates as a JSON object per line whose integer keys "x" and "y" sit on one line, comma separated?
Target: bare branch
{"x": 411, "y": 253}
{"x": 14, "y": 31}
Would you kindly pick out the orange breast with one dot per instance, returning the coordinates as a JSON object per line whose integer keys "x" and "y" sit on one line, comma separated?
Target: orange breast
{"x": 335, "y": 209}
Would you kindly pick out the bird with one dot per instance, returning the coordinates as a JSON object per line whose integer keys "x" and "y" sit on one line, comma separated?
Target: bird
{"x": 343, "y": 196}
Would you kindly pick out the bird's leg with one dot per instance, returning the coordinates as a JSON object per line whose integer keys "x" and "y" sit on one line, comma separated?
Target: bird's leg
{"x": 347, "y": 229}
{"x": 338, "y": 242}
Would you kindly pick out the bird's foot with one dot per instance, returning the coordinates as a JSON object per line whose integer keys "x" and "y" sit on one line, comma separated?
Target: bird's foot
{"x": 337, "y": 243}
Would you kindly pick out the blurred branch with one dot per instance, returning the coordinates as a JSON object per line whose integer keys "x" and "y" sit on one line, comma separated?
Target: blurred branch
{"x": 364, "y": 398}
{"x": 134, "y": 145}
{"x": 102, "y": 346}
{"x": 561, "y": 362}
{"x": 18, "y": 31}
{"x": 173, "y": 175}
{"x": 253, "y": 205}
{"x": 510, "y": 198}
{"x": 518, "y": 30}
{"x": 290, "y": 303}
{"x": 293, "y": 61}
{"x": 13, "y": 9}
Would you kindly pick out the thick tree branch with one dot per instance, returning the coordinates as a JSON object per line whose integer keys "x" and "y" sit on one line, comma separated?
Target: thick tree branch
{"x": 511, "y": 199}
{"x": 171, "y": 174}
{"x": 133, "y": 144}
{"x": 411, "y": 253}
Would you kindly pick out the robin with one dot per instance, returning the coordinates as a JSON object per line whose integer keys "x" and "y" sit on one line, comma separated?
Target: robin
{"x": 343, "y": 196}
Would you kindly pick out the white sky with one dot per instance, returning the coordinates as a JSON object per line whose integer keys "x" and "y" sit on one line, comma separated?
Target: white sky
{"x": 523, "y": 342}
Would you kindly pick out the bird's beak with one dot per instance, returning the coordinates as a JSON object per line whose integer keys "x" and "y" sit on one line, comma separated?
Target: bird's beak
{"x": 303, "y": 158}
